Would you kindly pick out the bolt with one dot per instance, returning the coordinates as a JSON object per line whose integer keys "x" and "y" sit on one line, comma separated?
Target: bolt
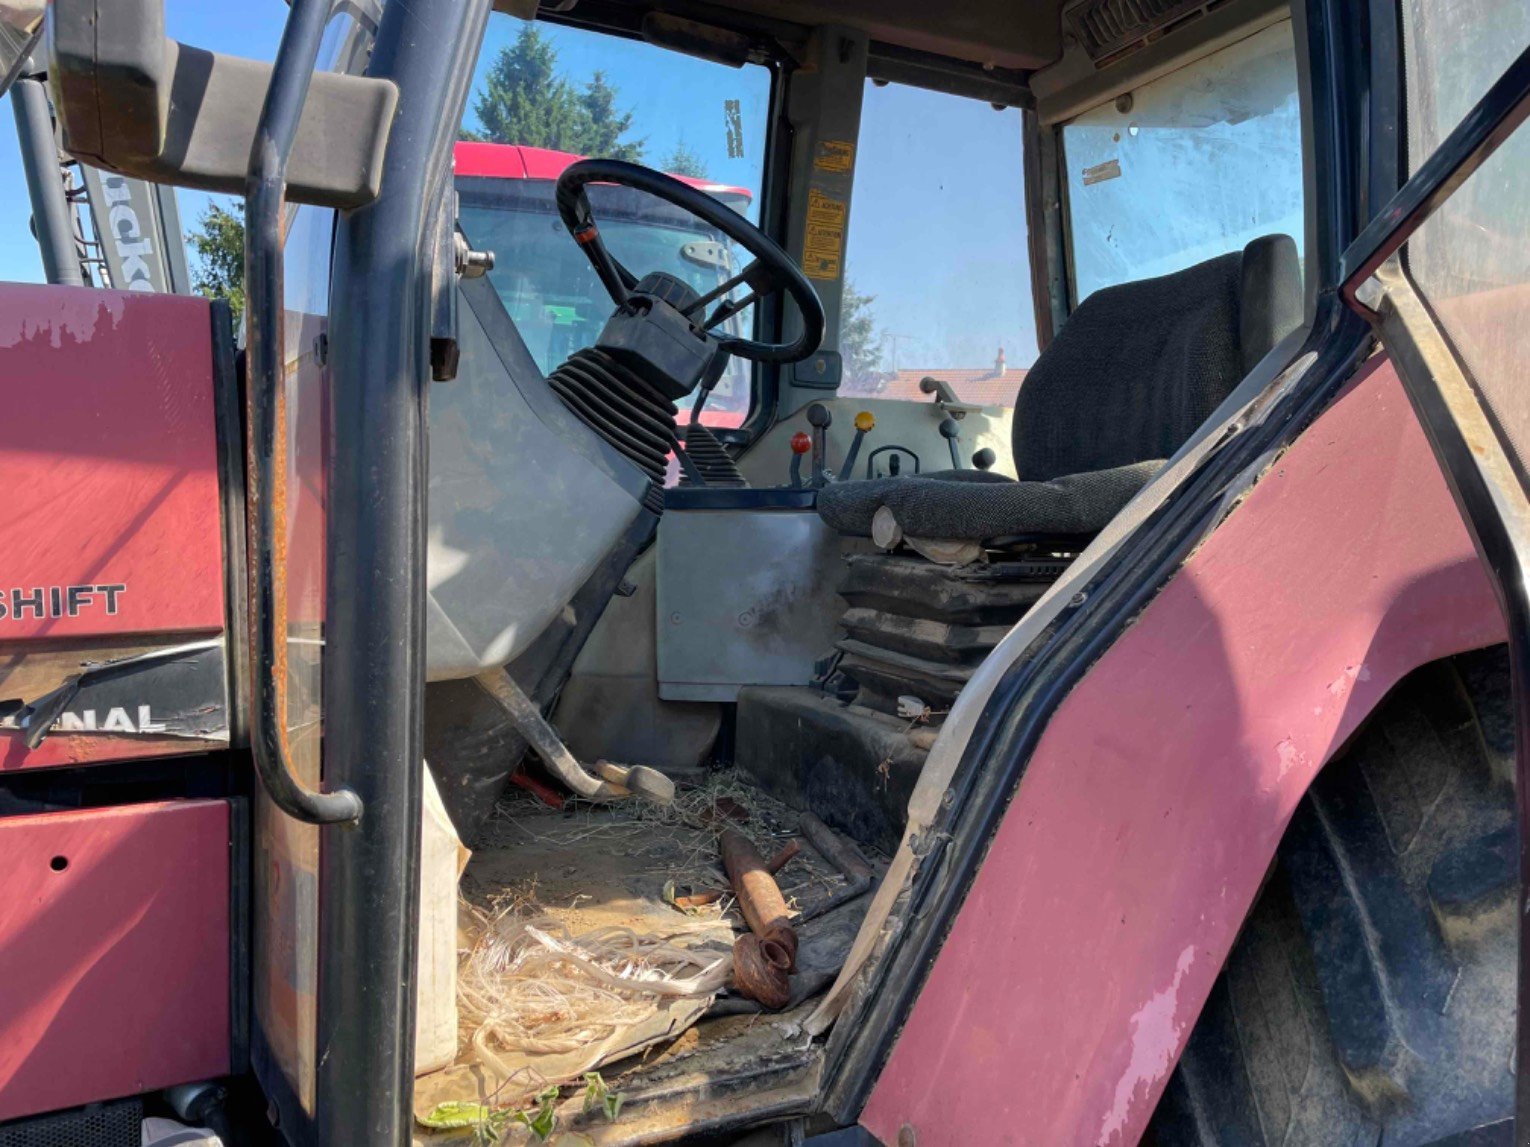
{"x": 674, "y": 618}
{"x": 1078, "y": 599}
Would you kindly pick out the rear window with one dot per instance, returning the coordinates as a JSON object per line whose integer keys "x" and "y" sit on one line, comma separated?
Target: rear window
{"x": 1188, "y": 167}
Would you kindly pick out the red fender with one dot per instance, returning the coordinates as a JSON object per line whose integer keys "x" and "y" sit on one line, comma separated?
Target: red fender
{"x": 1147, "y": 818}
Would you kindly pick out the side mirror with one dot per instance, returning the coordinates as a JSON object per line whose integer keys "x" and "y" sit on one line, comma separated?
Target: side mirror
{"x": 131, "y": 101}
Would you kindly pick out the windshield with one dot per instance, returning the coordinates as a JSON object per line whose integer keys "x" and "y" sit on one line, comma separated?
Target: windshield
{"x": 552, "y": 293}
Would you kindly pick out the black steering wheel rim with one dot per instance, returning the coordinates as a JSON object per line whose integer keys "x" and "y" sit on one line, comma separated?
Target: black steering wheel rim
{"x": 775, "y": 266}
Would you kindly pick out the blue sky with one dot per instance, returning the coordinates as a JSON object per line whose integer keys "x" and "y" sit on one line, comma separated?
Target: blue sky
{"x": 683, "y": 103}
{"x": 937, "y": 230}
{"x": 251, "y": 28}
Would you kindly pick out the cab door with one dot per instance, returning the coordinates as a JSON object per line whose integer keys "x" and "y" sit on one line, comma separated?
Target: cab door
{"x": 1443, "y": 276}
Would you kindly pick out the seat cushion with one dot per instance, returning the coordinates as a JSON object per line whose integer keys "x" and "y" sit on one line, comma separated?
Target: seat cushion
{"x": 850, "y": 505}
{"x": 958, "y": 504}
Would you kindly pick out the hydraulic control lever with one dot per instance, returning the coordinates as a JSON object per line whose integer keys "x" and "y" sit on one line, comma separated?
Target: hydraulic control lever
{"x": 820, "y": 419}
{"x": 864, "y": 422}
{"x": 952, "y": 433}
{"x": 801, "y": 444}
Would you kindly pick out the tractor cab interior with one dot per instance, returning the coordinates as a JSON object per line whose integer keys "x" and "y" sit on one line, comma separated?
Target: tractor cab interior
{"x": 691, "y": 539}
{"x": 675, "y": 581}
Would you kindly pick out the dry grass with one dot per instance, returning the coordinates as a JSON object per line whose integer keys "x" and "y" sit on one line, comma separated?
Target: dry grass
{"x": 537, "y": 982}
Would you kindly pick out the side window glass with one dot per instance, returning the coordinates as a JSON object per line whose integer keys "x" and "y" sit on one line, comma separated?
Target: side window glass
{"x": 1471, "y": 258}
{"x": 1187, "y": 167}
{"x": 545, "y": 96}
{"x": 937, "y": 271}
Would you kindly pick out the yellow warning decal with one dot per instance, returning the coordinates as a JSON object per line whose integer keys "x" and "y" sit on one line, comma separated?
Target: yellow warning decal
{"x": 834, "y": 155}
{"x": 823, "y": 245}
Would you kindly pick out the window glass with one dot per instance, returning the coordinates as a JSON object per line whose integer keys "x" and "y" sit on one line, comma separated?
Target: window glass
{"x": 552, "y": 292}
{"x": 1455, "y": 51}
{"x": 1188, "y": 167}
{"x": 544, "y": 96}
{"x": 937, "y": 271}
{"x": 1471, "y": 258}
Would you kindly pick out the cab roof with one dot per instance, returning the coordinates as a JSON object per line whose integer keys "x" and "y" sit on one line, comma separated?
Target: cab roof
{"x": 1020, "y": 34}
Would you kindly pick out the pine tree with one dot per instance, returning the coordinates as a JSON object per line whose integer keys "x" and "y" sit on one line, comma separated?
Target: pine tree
{"x": 860, "y": 345}
{"x": 525, "y": 101}
{"x": 604, "y": 125}
{"x": 684, "y": 161}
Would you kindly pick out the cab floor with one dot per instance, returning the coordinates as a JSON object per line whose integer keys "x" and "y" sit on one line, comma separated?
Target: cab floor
{"x": 591, "y": 867}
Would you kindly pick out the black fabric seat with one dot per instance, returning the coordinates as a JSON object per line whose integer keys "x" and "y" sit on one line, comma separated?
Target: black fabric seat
{"x": 1135, "y": 370}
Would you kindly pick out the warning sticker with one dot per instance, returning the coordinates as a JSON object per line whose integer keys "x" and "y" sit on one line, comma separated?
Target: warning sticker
{"x": 834, "y": 155}
{"x": 823, "y": 245}
{"x": 1100, "y": 172}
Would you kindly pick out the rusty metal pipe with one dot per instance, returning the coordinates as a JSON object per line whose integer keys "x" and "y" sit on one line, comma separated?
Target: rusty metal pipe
{"x": 833, "y": 848}
{"x": 759, "y": 896}
{"x": 838, "y": 852}
{"x": 759, "y": 971}
{"x": 781, "y": 859}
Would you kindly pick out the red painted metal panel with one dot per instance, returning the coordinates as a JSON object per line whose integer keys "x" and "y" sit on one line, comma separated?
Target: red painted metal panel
{"x": 62, "y": 749}
{"x": 108, "y": 459}
{"x": 513, "y": 161}
{"x": 114, "y": 952}
{"x": 1149, "y": 813}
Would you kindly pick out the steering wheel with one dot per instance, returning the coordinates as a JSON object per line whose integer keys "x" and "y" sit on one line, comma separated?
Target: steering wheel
{"x": 771, "y": 270}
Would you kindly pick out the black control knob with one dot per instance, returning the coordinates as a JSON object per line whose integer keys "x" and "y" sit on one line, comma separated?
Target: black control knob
{"x": 985, "y": 458}
{"x": 818, "y": 415}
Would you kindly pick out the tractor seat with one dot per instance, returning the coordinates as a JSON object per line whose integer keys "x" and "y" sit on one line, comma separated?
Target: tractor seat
{"x": 1135, "y": 370}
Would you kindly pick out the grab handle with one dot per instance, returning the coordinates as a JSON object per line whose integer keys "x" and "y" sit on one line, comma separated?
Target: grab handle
{"x": 265, "y": 203}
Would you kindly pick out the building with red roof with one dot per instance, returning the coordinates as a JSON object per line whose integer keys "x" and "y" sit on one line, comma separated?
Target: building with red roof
{"x": 982, "y": 386}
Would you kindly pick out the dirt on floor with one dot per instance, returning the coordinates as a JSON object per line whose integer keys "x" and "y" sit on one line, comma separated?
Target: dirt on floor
{"x": 569, "y": 918}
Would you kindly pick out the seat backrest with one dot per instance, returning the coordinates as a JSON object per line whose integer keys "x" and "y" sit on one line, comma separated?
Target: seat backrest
{"x": 1138, "y": 367}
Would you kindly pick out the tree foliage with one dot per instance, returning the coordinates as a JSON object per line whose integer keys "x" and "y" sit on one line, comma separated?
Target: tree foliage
{"x": 218, "y": 243}
{"x": 526, "y": 101}
{"x": 860, "y": 343}
{"x": 684, "y": 161}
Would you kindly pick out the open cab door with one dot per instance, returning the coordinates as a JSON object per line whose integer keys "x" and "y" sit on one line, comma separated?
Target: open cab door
{"x": 1443, "y": 276}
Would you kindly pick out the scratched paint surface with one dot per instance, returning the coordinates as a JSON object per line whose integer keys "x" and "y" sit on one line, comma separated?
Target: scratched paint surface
{"x": 111, "y": 536}
{"x": 1148, "y": 815}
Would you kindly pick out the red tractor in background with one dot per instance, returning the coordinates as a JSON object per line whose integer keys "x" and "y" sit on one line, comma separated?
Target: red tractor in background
{"x": 1156, "y": 750}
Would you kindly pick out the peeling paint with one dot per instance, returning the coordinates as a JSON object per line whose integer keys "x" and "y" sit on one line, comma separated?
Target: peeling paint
{"x": 1156, "y": 1030}
{"x": 57, "y": 314}
{"x": 1342, "y": 684}
{"x": 1288, "y": 756}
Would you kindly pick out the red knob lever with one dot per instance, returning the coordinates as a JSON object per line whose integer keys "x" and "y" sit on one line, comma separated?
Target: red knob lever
{"x": 801, "y": 443}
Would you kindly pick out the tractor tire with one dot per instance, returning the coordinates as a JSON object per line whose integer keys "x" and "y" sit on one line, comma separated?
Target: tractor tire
{"x": 1370, "y": 997}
